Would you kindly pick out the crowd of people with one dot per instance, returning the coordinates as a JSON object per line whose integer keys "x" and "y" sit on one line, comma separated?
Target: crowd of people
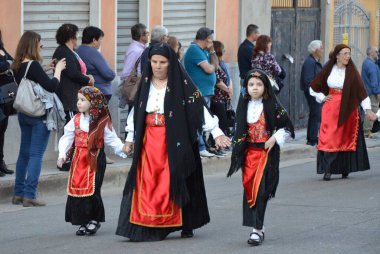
{"x": 181, "y": 112}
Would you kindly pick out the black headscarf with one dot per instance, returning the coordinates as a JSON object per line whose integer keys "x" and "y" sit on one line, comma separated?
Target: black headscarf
{"x": 276, "y": 118}
{"x": 183, "y": 107}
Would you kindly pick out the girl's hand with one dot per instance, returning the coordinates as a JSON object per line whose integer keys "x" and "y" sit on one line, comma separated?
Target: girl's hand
{"x": 92, "y": 80}
{"x": 327, "y": 98}
{"x": 371, "y": 116}
{"x": 60, "y": 162}
{"x": 128, "y": 147}
{"x": 270, "y": 143}
{"x": 61, "y": 65}
{"x": 222, "y": 141}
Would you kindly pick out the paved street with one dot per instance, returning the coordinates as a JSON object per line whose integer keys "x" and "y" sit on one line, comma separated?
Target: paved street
{"x": 308, "y": 215}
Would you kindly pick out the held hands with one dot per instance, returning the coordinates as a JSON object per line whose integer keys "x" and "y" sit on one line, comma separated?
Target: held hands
{"x": 370, "y": 115}
{"x": 2, "y": 53}
{"x": 92, "y": 80}
{"x": 270, "y": 143}
{"x": 60, "y": 162}
{"x": 222, "y": 141}
{"x": 327, "y": 98}
{"x": 128, "y": 148}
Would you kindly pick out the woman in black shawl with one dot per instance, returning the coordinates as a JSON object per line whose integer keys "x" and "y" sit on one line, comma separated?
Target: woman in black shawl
{"x": 262, "y": 125}
{"x": 164, "y": 191}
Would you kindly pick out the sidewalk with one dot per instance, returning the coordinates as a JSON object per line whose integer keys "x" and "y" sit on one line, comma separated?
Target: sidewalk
{"x": 53, "y": 181}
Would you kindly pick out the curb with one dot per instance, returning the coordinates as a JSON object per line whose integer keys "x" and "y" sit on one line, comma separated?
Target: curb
{"x": 116, "y": 174}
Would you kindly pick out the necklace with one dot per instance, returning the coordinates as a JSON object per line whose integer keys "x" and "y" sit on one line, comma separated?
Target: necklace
{"x": 161, "y": 84}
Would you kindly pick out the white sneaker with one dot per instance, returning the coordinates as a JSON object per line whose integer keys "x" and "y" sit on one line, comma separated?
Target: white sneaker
{"x": 206, "y": 153}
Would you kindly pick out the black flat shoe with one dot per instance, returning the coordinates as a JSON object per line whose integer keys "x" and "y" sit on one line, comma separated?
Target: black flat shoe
{"x": 327, "y": 177}
{"x": 92, "y": 227}
{"x": 345, "y": 175}
{"x": 4, "y": 169}
{"x": 81, "y": 231}
{"x": 255, "y": 242}
{"x": 187, "y": 233}
{"x": 2, "y": 174}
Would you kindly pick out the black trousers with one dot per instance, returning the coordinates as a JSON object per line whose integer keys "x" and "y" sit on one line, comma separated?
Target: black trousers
{"x": 314, "y": 121}
{"x": 254, "y": 217}
{"x": 6, "y": 110}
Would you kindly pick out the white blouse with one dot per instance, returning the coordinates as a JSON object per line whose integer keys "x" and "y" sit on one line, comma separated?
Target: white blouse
{"x": 155, "y": 104}
{"x": 255, "y": 107}
{"x": 336, "y": 80}
{"x": 110, "y": 137}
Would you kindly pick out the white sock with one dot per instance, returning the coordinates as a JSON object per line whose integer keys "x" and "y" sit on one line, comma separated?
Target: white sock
{"x": 254, "y": 236}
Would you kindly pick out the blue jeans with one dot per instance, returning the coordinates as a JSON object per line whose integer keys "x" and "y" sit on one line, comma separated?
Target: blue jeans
{"x": 201, "y": 141}
{"x": 34, "y": 140}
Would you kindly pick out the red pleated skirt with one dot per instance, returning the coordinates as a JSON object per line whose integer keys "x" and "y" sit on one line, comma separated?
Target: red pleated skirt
{"x": 151, "y": 203}
{"x": 254, "y": 165}
{"x": 334, "y": 138}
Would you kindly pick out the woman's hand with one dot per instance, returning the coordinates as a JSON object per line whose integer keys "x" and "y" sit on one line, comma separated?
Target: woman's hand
{"x": 370, "y": 115}
{"x": 2, "y": 53}
{"x": 327, "y": 98}
{"x": 128, "y": 147}
{"x": 60, "y": 65}
{"x": 222, "y": 141}
{"x": 60, "y": 162}
{"x": 92, "y": 80}
{"x": 270, "y": 143}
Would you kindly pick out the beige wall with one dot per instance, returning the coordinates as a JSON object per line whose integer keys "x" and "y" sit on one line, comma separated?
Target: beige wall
{"x": 227, "y": 27}
{"x": 108, "y": 25}
{"x": 10, "y": 25}
{"x": 155, "y": 13}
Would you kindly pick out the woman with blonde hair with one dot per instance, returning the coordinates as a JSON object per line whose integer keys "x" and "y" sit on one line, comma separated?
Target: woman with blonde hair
{"x": 34, "y": 133}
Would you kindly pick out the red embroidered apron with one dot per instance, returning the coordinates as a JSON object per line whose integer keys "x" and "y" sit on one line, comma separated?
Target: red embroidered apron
{"x": 151, "y": 204}
{"x": 81, "y": 178}
{"x": 255, "y": 160}
{"x": 334, "y": 138}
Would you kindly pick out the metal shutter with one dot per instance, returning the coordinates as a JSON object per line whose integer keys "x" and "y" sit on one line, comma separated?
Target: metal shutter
{"x": 127, "y": 16}
{"x": 183, "y": 18}
{"x": 46, "y": 16}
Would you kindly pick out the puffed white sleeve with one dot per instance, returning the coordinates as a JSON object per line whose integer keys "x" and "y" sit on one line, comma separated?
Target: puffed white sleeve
{"x": 366, "y": 104}
{"x": 112, "y": 140}
{"x": 319, "y": 97}
{"x": 66, "y": 141}
{"x": 211, "y": 124}
{"x": 281, "y": 136}
{"x": 130, "y": 128}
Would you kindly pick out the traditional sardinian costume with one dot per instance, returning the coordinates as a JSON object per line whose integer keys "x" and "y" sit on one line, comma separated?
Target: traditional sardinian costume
{"x": 164, "y": 191}
{"x": 83, "y": 141}
{"x": 341, "y": 145}
{"x": 256, "y": 122}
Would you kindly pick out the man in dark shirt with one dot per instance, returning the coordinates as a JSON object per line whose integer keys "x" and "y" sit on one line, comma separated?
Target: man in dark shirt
{"x": 310, "y": 68}
{"x": 246, "y": 49}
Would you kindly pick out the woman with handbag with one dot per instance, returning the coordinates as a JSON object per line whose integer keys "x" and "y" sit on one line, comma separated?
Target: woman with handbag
{"x": 34, "y": 133}
{"x": 5, "y": 108}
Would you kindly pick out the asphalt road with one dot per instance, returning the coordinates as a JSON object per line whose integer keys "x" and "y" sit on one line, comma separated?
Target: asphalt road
{"x": 308, "y": 215}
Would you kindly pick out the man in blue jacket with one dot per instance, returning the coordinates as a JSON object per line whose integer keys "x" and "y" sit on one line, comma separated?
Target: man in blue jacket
{"x": 310, "y": 68}
{"x": 371, "y": 79}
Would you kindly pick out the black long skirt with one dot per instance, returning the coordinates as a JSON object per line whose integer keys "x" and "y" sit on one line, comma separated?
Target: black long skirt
{"x": 194, "y": 215}
{"x": 345, "y": 162}
{"x": 81, "y": 210}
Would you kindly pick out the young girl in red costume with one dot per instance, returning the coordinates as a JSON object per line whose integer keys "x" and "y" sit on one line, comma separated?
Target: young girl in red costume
{"x": 83, "y": 140}
{"x": 262, "y": 125}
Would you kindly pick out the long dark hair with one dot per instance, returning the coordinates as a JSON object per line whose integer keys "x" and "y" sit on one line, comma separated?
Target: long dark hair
{"x": 27, "y": 48}
{"x": 261, "y": 44}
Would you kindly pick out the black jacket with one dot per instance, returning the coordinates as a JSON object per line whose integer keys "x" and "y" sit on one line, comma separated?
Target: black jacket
{"x": 310, "y": 69}
{"x": 72, "y": 78}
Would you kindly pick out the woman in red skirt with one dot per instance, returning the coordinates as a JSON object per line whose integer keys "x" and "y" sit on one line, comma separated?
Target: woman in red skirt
{"x": 341, "y": 145}
{"x": 164, "y": 191}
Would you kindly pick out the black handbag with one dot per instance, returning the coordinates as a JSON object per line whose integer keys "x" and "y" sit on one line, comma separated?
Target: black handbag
{"x": 8, "y": 91}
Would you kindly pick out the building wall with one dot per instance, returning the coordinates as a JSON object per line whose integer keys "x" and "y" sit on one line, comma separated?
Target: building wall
{"x": 108, "y": 25}
{"x": 156, "y": 9}
{"x": 10, "y": 25}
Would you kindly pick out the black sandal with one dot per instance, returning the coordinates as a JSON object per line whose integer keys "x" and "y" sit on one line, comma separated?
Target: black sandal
{"x": 92, "y": 231}
{"x": 81, "y": 231}
{"x": 255, "y": 242}
{"x": 187, "y": 233}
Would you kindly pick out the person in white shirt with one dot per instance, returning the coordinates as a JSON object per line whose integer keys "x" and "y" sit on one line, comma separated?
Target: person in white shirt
{"x": 84, "y": 139}
{"x": 164, "y": 191}
{"x": 341, "y": 144}
{"x": 262, "y": 126}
